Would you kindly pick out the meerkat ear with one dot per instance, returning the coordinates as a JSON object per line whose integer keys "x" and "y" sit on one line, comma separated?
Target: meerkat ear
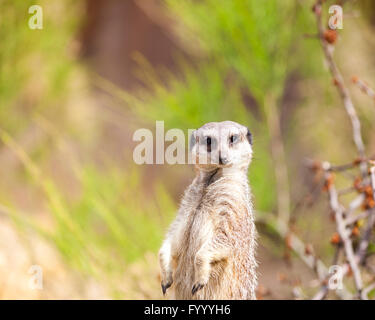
{"x": 193, "y": 140}
{"x": 249, "y": 137}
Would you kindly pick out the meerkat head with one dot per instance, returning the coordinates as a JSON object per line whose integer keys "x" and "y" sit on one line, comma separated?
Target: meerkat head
{"x": 224, "y": 144}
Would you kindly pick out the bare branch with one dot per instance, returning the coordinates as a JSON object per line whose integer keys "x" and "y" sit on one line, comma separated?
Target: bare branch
{"x": 342, "y": 89}
{"x": 355, "y": 217}
{"x": 314, "y": 164}
{"x": 363, "y": 86}
{"x": 355, "y": 204}
{"x": 322, "y": 293}
{"x": 343, "y": 232}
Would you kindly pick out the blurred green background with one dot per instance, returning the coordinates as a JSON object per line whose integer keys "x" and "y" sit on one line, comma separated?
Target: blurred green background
{"x": 73, "y": 93}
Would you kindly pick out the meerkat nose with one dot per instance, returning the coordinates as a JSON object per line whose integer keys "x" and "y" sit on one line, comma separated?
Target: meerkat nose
{"x": 223, "y": 160}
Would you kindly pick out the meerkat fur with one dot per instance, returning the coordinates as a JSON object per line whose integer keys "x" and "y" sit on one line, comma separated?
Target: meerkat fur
{"x": 209, "y": 249}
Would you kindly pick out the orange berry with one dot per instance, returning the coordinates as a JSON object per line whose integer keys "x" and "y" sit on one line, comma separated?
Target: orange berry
{"x": 370, "y": 203}
{"x": 330, "y": 36}
{"x": 355, "y": 79}
{"x": 355, "y": 231}
{"x": 368, "y": 191}
{"x": 335, "y": 239}
{"x": 308, "y": 249}
{"x": 316, "y": 166}
{"x": 328, "y": 182}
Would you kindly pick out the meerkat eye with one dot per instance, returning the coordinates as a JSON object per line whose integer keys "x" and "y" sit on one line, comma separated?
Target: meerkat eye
{"x": 233, "y": 138}
{"x": 208, "y": 143}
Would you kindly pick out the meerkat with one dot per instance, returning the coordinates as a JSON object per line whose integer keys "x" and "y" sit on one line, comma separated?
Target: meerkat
{"x": 209, "y": 249}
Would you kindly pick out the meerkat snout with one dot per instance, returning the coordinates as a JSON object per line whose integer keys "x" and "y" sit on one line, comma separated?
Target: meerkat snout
{"x": 222, "y": 159}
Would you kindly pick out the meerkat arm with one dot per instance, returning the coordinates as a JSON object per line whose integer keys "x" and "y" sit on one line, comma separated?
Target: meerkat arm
{"x": 167, "y": 253}
{"x": 165, "y": 260}
{"x": 169, "y": 248}
{"x": 203, "y": 260}
{"x": 214, "y": 249}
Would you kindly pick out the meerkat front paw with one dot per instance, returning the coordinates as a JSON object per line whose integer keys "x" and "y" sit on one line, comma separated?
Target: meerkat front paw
{"x": 202, "y": 273}
{"x": 165, "y": 260}
{"x": 196, "y": 287}
{"x": 166, "y": 282}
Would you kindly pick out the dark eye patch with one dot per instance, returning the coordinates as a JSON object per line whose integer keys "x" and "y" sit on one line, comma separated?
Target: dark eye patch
{"x": 249, "y": 137}
{"x": 234, "y": 138}
{"x": 209, "y": 142}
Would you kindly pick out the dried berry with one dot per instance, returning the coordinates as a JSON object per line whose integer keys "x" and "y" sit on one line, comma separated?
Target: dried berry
{"x": 330, "y": 36}
{"x": 369, "y": 203}
{"x": 367, "y": 190}
{"x": 288, "y": 241}
{"x": 328, "y": 182}
{"x": 355, "y": 79}
{"x": 335, "y": 239}
{"x": 308, "y": 249}
{"x": 316, "y": 165}
{"x": 355, "y": 231}
{"x": 336, "y": 82}
{"x": 357, "y": 184}
{"x": 357, "y": 161}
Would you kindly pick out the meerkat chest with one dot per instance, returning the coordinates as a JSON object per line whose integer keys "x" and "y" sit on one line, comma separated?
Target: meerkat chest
{"x": 193, "y": 237}
{"x": 197, "y": 228}
{"x": 222, "y": 204}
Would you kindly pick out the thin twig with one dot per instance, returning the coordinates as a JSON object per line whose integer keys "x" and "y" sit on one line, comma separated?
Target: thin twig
{"x": 322, "y": 293}
{"x": 355, "y": 217}
{"x": 344, "y": 233}
{"x": 364, "y": 87}
{"x": 367, "y": 290}
{"x": 342, "y": 89}
{"x": 355, "y": 203}
{"x": 314, "y": 164}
